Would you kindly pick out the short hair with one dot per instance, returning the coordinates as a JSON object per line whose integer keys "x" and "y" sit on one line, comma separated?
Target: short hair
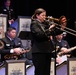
{"x": 10, "y": 29}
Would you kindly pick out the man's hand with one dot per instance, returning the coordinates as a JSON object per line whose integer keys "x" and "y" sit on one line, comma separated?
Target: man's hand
{"x": 18, "y": 51}
{"x": 25, "y": 51}
{"x": 11, "y": 21}
{"x": 64, "y": 50}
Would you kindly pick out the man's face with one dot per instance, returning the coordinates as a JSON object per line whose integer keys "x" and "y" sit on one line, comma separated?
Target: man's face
{"x": 12, "y": 34}
{"x": 7, "y": 3}
{"x": 59, "y": 37}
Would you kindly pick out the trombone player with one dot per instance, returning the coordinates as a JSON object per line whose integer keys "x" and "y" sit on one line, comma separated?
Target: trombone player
{"x": 42, "y": 46}
{"x": 63, "y": 21}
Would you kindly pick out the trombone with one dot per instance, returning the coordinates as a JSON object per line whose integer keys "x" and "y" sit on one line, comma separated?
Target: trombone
{"x": 66, "y": 29}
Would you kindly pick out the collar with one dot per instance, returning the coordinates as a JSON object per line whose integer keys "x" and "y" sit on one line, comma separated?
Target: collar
{"x": 10, "y": 38}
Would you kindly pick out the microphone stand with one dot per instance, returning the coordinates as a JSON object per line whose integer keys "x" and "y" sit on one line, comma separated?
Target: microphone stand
{"x": 55, "y": 44}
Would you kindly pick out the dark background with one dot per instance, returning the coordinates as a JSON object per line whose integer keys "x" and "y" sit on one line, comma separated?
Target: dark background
{"x": 55, "y": 8}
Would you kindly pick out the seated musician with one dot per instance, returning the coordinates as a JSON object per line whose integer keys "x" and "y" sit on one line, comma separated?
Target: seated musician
{"x": 11, "y": 46}
{"x": 62, "y": 44}
{"x": 62, "y": 47}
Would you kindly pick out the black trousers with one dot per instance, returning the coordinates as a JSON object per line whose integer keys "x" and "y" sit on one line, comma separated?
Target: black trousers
{"x": 42, "y": 63}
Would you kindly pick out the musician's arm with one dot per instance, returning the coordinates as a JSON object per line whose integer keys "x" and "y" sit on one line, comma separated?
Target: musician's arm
{"x": 23, "y": 50}
{"x": 10, "y": 51}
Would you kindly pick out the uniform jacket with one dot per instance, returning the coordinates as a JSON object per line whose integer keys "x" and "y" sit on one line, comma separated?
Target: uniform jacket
{"x": 63, "y": 43}
{"x": 9, "y": 12}
{"x": 8, "y": 45}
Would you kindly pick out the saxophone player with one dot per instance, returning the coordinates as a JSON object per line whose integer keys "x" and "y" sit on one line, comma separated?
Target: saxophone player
{"x": 11, "y": 46}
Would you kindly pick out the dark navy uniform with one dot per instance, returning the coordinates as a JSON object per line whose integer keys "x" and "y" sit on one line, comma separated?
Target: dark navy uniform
{"x": 9, "y": 12}
{"x": 8, "y": 45}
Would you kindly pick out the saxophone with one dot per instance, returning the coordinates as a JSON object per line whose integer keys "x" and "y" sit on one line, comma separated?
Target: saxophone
{"x": 14, "y": 55}
{"x": 1, "y": 44}
{"x": 11, "y": 56}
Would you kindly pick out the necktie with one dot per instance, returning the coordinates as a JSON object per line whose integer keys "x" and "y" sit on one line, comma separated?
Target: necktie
{"x": 13, "y": 43}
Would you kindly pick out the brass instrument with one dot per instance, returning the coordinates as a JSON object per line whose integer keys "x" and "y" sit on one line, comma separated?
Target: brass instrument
{"x": 68, "y": 50}
{"x": 14, "y": 55}
{"x": 11, "y": 56}
{"x": 66, "y": 29}
{"x": 1, "y": 46}
{"x": 52, "y": 19}
{"x": 58, "y": 26}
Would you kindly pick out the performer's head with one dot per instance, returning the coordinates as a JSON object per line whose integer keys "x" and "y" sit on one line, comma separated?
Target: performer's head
{"x": 7, "y": 3}
{"x": 39, "y": 14}
{"x": 63, "y": 20}
{"x": 11, "y": 32}
{"x": 59, "y": 37}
